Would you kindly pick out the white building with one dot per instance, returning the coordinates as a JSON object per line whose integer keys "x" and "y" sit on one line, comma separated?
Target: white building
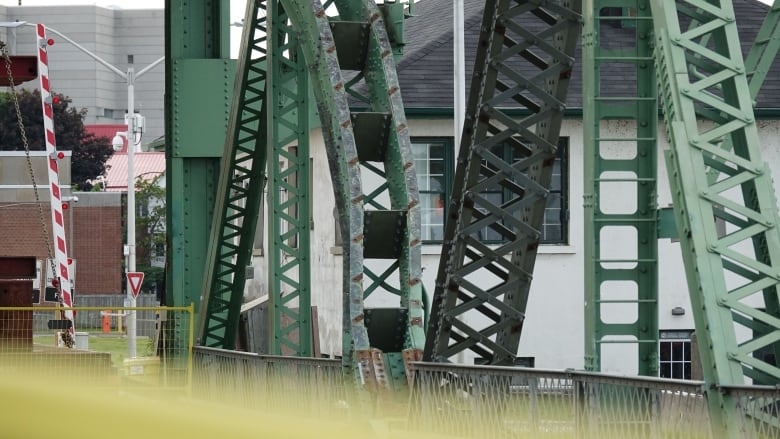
{"x": 554, "y": 329}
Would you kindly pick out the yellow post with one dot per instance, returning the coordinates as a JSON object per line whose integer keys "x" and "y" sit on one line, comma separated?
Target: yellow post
{"x": 119, "y": 321}
{"x": 191, "y": 311}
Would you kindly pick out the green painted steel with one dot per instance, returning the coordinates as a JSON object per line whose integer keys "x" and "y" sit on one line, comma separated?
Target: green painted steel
{"x": 392, "y": 243}
{"x": 289, "y": 192}
{"x": 732, "y": 277}
{"x": 764, "y": 50}
{"x": 198, "y": 80}
{"x": 359, "y": 42}
{"x": 391, "y": 233}
{"x": 524, "y": 58}
{"x": 620, "y": 180}
{"x": 240, "y": 190}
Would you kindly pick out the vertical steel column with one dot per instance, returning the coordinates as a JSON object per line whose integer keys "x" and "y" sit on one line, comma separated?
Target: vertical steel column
{"x": 357, "y": 46}
{"x": 524, "y": 59}
{"x": 289, "y": 263}
{"x": 732, "y": 277}
{"x": 198, "y": 82}
{"x": 240, "y": 191}
{"x": 391, "y": 244}
{"x": 621, "y": 248}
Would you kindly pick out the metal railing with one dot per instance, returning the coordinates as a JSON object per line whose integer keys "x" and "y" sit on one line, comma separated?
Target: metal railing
{"x": 459, "y": 401}
{"x": 38, "y": 340}
{"x": 267, "y": 382}
{"x": 471, "y": 401}
{"x": 758, "y": 410}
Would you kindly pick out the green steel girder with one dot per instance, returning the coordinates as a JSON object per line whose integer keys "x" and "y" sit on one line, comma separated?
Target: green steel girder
{"x": 239, "y": 194}
{"x": 319, "y": 48}
{"x": 732, "y": 278}
{"x": 524, "y": 57}
{"x": 198, "y": 79}
{"x": 764, "y": 50}
{"x": 762, "y": 53}
{"x": 757, "y": 63}
{"x": 620, "y": 286}
{"x": 289, "y": 192}
{"x": 384, "y": 149}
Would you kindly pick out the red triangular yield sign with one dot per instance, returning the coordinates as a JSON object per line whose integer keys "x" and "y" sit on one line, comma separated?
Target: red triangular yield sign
{"x": 135, "y": 278}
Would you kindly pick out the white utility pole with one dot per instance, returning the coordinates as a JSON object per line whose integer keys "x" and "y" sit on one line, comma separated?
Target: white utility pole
{"x": 459, "y": 73}
{"x": 131, "y": 144}
{"x": 459, "y": 80}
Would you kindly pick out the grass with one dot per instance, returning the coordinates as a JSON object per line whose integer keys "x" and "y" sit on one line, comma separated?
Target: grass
{"x": 115, "y": 344}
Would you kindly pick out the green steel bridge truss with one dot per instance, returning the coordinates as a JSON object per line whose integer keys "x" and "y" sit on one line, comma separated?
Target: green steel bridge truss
{"x": 689, "y": 48}
{"x": 525, "y": 59}
{"x": 320, "y": 50}
{"x": 717, "y": 173}
{"x": 621, "y": 241}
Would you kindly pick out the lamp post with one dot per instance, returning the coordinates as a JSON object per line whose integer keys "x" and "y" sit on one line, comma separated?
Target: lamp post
{"x": 130, "y": 134}
{"x": 135, "y": 127}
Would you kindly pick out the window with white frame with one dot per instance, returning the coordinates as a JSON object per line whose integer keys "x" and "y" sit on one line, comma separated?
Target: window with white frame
{"x": 434, "y": 163}
{"x": 432, "y": 158}
{"x": 674, "y": 355}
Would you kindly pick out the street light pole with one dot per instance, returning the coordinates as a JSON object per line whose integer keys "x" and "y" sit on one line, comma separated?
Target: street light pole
{"x": 131, "y": 144}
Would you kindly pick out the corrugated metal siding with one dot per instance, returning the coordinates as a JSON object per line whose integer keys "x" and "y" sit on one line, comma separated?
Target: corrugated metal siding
{"x": 147, "y": 164}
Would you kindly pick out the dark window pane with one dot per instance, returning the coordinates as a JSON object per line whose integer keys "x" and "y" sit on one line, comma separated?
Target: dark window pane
{"x": 665, "y": 351}
{"x": 677, "y": 370}
{"x": 687, "y": 371}
{"x": 553, "y": 233}
{"x": 666, "y": 370}
{"x": 437, "y": 167}
{"x": 677, "y": 351}
{"x": 437, "y": 150}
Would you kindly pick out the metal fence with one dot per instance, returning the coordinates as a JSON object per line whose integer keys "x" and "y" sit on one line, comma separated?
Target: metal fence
{"x": 38, "y": 340}
{"x": 758, "y": 409}
{"x": 458, "y": 401}
{"x": 502, "y": 402}
{"x": 146, "y": 319}
{"x": 309, "y": 386}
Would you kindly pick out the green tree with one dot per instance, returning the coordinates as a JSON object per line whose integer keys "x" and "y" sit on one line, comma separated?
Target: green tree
{"x": 90, "y": 153}
{"x": 150, "y": 228}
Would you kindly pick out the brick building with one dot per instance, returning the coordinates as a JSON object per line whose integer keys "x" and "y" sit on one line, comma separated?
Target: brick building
{"x": 93, "y": 224}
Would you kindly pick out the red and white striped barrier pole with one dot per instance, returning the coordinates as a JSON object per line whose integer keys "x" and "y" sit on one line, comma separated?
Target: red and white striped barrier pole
{"x": 62, "y": 271}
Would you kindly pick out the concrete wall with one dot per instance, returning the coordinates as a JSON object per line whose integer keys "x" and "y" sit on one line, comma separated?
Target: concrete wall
{"x": 111, "y": 34}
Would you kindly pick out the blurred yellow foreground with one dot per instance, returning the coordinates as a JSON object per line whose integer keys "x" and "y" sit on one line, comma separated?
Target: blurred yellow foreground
{"x": 38, "y": 407}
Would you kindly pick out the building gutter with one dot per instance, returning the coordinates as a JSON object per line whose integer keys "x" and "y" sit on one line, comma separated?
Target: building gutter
{"x": 442, "y": 112}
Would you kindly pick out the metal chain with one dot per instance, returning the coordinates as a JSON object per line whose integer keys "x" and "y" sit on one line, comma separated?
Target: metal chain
{"x": 23, "y": 134}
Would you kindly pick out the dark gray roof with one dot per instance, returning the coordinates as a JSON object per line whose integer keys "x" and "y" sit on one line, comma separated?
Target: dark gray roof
{"x": 425, "y": 71}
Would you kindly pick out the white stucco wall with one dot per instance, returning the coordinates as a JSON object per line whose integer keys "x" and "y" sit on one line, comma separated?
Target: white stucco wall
{"x": 553, "y": 332}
